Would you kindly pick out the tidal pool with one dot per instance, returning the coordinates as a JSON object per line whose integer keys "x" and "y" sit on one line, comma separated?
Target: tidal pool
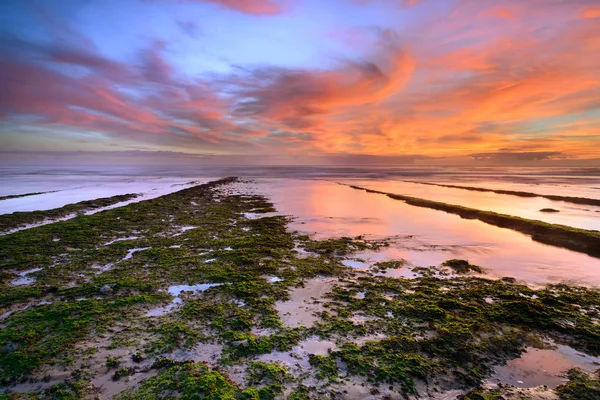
{"x": 422, "y": 236}
{"x": 24, "y": 279}
{"x": 539, "y": 367}
{"x": 570, "y": 214}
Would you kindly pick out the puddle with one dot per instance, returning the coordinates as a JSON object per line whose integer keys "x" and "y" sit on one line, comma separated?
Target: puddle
{"x": 24, "y": 279}
{"x": 251, "y": 215}
{"x": 302, "y": 252}
{"x": 130, "y": 252}
{"x": 175, "y": 291}
{"x": 317, "y": 346}
{"x": 274, "y": 279}
{"x": 120, "y": 240}
{"x": 184, "y": 229}
{"x": 539, "y": 367}
{"x": 103, "y": 268}
{"x": 526, "y": 207}
{"x": 6, "y": 315}
{"x": 355, "y": 264}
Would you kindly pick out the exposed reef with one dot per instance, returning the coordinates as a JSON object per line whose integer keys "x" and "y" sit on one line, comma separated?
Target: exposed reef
{"x": 206, "y": 293}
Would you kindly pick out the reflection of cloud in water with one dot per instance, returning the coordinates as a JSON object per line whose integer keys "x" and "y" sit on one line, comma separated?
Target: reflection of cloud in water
{"x": 356, "y": 220}
{"x": 423, "y": 236}
{"x": 421, "y": 252}
{"x": 538, "y": 367}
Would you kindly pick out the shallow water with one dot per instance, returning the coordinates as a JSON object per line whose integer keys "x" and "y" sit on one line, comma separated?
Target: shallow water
{"x": 131, "y": 252}
{"x": 576, "y": 215}
{"x": 24, "y": 279}
{"x": 355, "y": 264}
{"x": 547, "y": 367}
{"x": 176, "y": 291}
{"x": 423, "y": 236}
{"x": 557, "y": 184}
{"x": 76, "y": 188}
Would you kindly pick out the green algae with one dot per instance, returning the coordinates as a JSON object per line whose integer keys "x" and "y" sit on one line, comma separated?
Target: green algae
{"x": 443, "y": 326}
{"x": 326, "y": 367}
{"x": 581, "y": 386}
{"x": 393, "y": 331}
{"x": 267, "y": 373}
{"x": 71, "y": 389}
{"x": 190, "y": 380}
{"x": 340, "y": 246}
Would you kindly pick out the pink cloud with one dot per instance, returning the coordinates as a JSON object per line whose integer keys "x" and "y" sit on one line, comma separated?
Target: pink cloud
{"x": 253, "y": 7}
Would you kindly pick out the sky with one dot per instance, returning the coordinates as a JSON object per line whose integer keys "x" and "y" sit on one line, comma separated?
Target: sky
{"x": 500, "y": 80}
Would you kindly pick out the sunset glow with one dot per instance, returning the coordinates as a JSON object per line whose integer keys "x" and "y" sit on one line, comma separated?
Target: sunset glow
{"x": 478, "y": 79}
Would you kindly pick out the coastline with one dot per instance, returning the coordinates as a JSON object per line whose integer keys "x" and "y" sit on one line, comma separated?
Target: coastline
{"x": 210, "y": 282}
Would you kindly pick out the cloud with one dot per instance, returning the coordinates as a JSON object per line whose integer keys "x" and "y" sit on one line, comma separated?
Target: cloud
{"x": 253, "y": 7}
{"x": 592, "y": 12}
{"x": 525, "y": 156}
{"x": 487, "y": 75}
{"x": 310, "y": 100}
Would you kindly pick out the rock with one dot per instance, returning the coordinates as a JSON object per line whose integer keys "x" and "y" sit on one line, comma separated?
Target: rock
{"x": 106, "y": 289}
{"x": 137, "y": 358}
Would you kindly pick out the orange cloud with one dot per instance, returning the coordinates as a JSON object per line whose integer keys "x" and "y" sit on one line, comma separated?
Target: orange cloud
{"x": 304, "y": 101}
{"x": 593, "y": 12}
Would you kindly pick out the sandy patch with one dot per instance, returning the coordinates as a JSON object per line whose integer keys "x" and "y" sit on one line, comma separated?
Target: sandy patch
{"x": 301, "y": 309}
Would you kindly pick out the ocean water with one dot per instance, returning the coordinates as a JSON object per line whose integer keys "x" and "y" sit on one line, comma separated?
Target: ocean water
{"x": 322, "y": 205}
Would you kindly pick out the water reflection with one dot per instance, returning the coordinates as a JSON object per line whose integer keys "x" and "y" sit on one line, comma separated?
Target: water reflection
{"x": 539, "y": 367}
{"x": 580, "y": 216}
{"x": 422, "y": 236}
